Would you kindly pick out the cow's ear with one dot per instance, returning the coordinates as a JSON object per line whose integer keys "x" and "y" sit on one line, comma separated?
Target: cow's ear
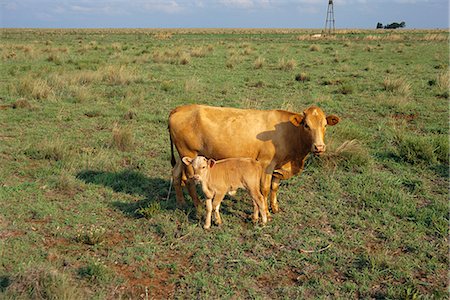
{"x": 332, "y": 120}
{"x": 296, "y": 119}
{"x": 187, "y": 160}
{"x": 211, "y": 162}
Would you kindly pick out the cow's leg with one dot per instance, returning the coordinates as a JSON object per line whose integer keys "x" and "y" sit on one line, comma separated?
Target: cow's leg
{"x": 193, "y": 193}
{"x": 208, "y": 213}
{"x": 266, "y": 180}
{"x": 190, "y": 184}
{"x": 259, "y": 206}
{"x": 176, "y": 175}
{"x": 216, "y": 206}
{"x": 273, "y": 195}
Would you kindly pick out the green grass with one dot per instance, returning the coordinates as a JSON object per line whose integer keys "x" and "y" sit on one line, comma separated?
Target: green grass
{"x": 85, "y": 165}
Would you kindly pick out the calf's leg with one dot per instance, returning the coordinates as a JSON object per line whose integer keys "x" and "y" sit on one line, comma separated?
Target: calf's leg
{"x": 208, "y": 213}
{"x": 216, "y": 206}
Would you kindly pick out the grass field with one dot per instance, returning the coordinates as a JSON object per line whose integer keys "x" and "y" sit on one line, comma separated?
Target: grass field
{"x": 85, "y": 165}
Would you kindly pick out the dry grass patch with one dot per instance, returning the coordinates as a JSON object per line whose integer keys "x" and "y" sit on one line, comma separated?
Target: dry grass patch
{"x": 122, "y": 138}
{"x": 435, "y": 37}
{"x": 198, "y": 52}
{"x": 119, "y": 75}
{"x": 21, "y": 103}
{"x": 34, "y": 88}
{"x": 80, "y": 93}
{"x": 314, "y": 47}
{"x": 85, "y": 77}
{"x": 287, "y": 65}
{"x": 232, "y": 62}
{"x": 192, "y": 84}
{"x": 443, "y": 82}
{"x": 398, "y": 86}
{"x": 163, "y": 35}
{"x": 185, "y": 59}
{"x": 116, "y": 47}
{"x": 259, "y": 62}
{"x": 351, "y": 155}
{"x": 303, "y": 76}
{"x": 51, "y": 149}
{"x": 130, "y": 115}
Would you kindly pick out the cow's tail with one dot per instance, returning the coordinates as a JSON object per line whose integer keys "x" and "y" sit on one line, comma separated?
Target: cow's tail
{"x": 172, "y": 157}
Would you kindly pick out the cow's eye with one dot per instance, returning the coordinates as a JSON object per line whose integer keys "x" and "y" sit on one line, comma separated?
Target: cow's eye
{"x": 306, "y": 126}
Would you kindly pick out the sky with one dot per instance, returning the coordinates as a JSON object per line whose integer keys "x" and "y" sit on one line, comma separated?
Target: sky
{"x": 220, "y": 13}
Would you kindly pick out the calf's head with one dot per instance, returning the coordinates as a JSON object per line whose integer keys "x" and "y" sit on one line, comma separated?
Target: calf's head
{"x": 201, "y": 166}
{"x": 312, "y": 125}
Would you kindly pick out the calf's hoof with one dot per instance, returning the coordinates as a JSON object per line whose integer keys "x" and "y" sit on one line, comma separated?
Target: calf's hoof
{"x": 206, "y": 227}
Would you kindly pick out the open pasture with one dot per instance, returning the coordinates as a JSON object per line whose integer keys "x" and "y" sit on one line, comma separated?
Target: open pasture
{"x": 85, "y": 165}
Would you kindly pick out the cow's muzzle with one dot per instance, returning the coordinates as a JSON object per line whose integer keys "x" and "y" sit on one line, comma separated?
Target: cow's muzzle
{"x": 318, "y": 149}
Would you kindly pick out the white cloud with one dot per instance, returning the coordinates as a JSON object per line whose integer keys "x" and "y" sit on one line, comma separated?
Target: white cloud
{"x": 79, "y": 8}
{"x": 238, "y": 3}
{"x": 170, "y": 7}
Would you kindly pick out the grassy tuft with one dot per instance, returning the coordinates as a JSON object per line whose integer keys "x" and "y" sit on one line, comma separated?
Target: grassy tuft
{"x": 303, "y": 76}
{"x": 443, "y": 84}
{"x": 314, "y": 48}
{"x": 350, "y": 155}
{"x": 40, "y": 283}
{"x": 287, "y": 65}
{"x": 119, "y": 75}
{"x": 150, "y": 211}
{"x": 122, "y": 138}
{"x": 416, "y": 149}
{"x": 95, "y": 272}
{"x": 49, "y": 149}
{"x": 259, "y": 62}
{"x": 92, "y": 235}
{"x": 130, "y": 115}
{"x": 345, "y": 88}
{"x": 185, "y": 59}
{"x": 34, "y": 88}
{"x": 21, "y": 103}
{"x": 397, "y": 86}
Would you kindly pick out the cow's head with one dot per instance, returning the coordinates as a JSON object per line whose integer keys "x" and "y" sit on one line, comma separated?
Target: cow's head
{"x": 200, "y": 165}
{"x": 312, "y": 124}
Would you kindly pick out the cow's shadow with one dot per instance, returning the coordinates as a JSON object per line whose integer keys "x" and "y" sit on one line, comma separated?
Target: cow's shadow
{"x": 153, "y": 190}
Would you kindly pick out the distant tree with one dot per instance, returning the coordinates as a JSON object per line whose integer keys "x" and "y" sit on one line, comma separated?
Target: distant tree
{"x": 395, "y": 25}
{"x": 379, "y": 25}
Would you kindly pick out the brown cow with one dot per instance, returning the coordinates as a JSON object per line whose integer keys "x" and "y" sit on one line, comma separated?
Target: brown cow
{"x": 226, "y": 176}
{"x": 279, "y": 140}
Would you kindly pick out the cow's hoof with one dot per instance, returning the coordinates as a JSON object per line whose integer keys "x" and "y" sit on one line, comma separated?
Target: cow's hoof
{"x": 207, "y": 227}
{"x": 275, "y": 208}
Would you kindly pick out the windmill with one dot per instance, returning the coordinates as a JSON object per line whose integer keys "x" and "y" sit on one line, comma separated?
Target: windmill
{"x": 329, "y": 23}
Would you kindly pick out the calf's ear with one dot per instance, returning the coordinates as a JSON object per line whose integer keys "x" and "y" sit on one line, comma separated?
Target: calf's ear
{"x": 187, "y": 160}
{"x": 332, "y": 120}
{"x": 296, "y": 119}
{"x": 211, "y": 162}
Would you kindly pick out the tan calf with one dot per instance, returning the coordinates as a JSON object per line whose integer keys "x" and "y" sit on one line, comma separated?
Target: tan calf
{"x": 226, "y": 176}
